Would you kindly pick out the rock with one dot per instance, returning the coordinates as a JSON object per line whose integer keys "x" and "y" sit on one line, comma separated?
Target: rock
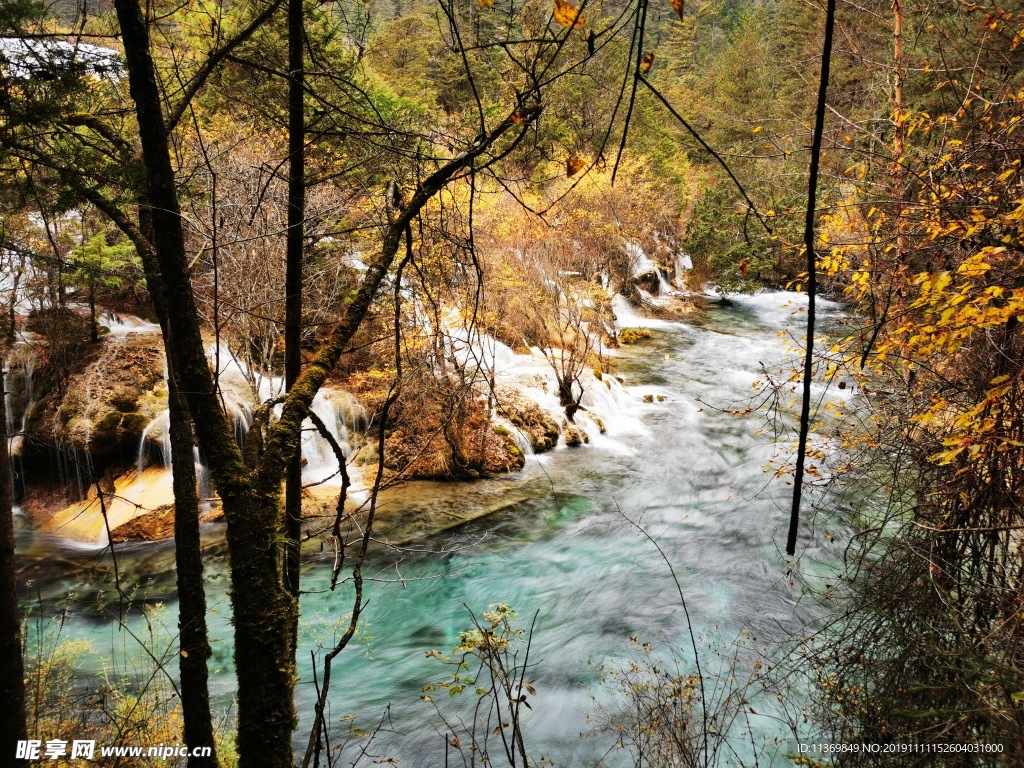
{"x": 431, "y": 444}
{"x": 633, "y": 335}
{"x": 134, "y": 495}
{"x": 574, "y": 436}
{"x": 540, "y": 429}
{"x": 600, "y": 423}
{"x": 106, "y": 403}
{"x": 503, "y": 454}
{"x": 649, "y": 281}
{"x": 152, "y": 526}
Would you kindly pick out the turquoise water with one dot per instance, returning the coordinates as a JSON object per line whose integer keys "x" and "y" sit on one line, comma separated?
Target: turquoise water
{"x": 691, "y": 473}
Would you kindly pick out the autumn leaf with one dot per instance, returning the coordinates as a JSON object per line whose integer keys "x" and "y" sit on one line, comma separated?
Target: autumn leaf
{"x": 574, "y": 164}
{"x": 488, "y": 4}
{"x": 568, "y": 15}
{"x": 677, "y": 6}
{"x": 744, "y": 266}
{"x": 648, "y": 61}
{"x": 454, "y": 741}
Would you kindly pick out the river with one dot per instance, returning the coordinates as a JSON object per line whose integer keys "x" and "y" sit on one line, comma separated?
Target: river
{"x": 676, "y": 460}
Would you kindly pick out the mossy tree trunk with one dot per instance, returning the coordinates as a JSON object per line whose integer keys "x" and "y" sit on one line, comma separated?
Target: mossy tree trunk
{"x": 293, "y": 276}
{"x": 193, "y": 637}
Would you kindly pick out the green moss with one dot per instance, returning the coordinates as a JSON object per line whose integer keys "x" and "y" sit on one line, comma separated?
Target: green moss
{"x": 103, "y": 438}
{"x": 132, "y": 426}
{"x": 125, "y": 399}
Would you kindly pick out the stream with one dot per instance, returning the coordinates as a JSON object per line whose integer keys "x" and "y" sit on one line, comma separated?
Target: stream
{"x": 561, "y": 544}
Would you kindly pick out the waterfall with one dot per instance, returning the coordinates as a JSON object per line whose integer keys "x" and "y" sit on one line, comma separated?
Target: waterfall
{"x": 683, "y": 265}
{"x": 643, "y": 271}
{"x": 344, "y": 418}
{"x": 205, "y": 489}
{"x": 122, "y": 325}
{"x": 157, "y": 434}
{"x": 76, "y": 465}
{"x": 241, "y": 420}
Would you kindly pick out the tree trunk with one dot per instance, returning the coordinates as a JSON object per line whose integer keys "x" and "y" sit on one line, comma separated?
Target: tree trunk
{"x": 193, "y": 638}
{"x": 12, "y": 671}
{"x": 264, "y": 611}
{"x": 293, "y": 281}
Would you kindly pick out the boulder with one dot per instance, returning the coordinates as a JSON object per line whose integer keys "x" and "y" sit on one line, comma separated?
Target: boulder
{"x": 574, "y": 436}
{"x": 105, "y": 405}
{"x": 537, "y": 425}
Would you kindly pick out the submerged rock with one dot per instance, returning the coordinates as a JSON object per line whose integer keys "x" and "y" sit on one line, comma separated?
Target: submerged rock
{"x": 133, "y": 495}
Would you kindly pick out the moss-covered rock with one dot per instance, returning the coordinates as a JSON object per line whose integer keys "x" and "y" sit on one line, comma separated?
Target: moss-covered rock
{"x": 103, "y": 406}
{"x": 503, "y": 454}
{"x": 133, "y": 425}
{"x": 540, "y": 429}
{"x": 633, "y": 335}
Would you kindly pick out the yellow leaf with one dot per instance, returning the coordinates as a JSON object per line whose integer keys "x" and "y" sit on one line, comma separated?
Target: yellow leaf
{"x": 574, "y": 164}
{"x": 488, "y": 4}
{"x": 647, "y": 63}
{"x": 945, "y": 457}
{"x": 568, "y": 15}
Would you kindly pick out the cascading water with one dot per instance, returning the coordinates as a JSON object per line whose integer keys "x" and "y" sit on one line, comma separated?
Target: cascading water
{"x": 241, "y": 420}
{"x": 556, "y": 542}
{"x": 683, "y": 265}
{"x": 344, "y": 418}
{"x": 642, "y": 269}
{"x": 155, "y": 443}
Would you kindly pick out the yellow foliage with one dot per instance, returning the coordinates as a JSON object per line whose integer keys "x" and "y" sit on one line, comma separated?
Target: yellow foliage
{"x": 568, "y": 15}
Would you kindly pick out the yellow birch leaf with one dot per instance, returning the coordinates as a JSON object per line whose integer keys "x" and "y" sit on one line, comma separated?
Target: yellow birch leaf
{"x": 568, "y": 15}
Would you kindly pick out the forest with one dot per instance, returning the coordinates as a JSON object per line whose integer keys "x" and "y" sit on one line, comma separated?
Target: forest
{"x": 427, "y": 382}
